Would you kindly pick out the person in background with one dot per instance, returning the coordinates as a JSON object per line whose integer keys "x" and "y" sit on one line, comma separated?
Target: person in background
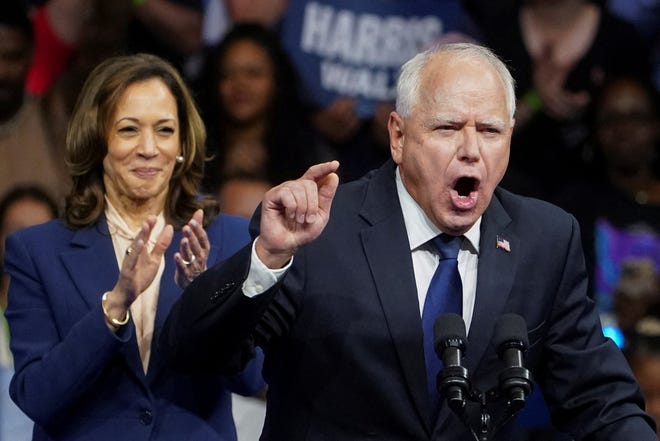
{"x": 58, "y": 27}
{"x": 30, "y": 153}
{"x": 617, "y": 200}
{"x": 257, "y": 125}
{"x": 20, "y": 207}
{"x": 88, "y": 293}
{"x": 560, "y": 52}
{"x": 334, "y": 284}
{"x": 171, "y": 29}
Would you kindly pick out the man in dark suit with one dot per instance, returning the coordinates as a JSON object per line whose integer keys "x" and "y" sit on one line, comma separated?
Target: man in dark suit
{"x": 336, "y": 300}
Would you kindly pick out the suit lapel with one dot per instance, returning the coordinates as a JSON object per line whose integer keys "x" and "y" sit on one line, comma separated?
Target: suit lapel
{"x": 92, "y": 265}
{"x": 91, "y": 262}
{"x": 495, "y": 278}
{"x": 384, "y": 242}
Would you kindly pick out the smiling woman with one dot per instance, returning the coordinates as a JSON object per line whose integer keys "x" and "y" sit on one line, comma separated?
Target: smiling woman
{"x": 88, "y": 293}
{"x": 94, "y": 126}
{"x": 143, "y": 144}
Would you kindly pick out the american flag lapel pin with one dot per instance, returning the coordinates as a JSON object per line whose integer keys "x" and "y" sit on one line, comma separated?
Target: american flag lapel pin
{"x": 503, "y": 243}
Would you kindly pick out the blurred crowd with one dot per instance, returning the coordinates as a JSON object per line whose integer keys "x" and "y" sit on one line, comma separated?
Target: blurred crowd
{"x": 283, "y": 84}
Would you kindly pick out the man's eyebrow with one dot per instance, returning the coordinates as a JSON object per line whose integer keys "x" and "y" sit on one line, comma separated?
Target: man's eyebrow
{"x": 493, "y": 122}
{"x": 445, "y": 119}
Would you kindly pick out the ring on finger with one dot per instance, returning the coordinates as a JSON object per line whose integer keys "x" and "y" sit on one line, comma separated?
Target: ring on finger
{"x": 129, "y": 251}
{"x": 188, "y": 262}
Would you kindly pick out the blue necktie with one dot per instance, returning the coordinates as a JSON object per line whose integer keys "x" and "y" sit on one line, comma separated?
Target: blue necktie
{"x": 445, "y": 294}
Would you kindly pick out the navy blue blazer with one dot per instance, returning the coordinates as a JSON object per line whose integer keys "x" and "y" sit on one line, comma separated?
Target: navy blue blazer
{"x": 75, "y": 378}
{"x": 343, "y": 334}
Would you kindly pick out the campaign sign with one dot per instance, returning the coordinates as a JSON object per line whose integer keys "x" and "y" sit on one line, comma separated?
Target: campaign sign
{"x": 355, "y": 48}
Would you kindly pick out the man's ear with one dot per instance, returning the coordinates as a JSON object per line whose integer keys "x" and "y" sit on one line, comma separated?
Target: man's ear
{"x": 395, "y": 127}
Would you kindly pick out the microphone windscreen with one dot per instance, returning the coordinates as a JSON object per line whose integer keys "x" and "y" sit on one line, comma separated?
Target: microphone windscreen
{"x": 448, "y": 326}
{"x": 511, "y": 327}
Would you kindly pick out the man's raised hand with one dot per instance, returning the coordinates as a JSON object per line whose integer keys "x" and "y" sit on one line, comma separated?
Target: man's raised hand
{"x": 295, "y": 213}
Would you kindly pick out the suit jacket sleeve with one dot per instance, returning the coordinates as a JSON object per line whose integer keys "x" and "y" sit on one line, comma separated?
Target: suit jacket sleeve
{"x": 211, "y": 327}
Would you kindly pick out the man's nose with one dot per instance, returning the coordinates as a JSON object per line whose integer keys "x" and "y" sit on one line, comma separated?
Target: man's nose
{"x": 469, "y": 149}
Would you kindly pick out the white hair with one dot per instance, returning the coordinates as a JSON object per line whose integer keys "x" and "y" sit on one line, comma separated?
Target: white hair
{"x": 407, "y": 89}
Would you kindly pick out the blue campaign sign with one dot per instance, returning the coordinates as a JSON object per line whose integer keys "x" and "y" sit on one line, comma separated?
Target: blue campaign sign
{"x": 355, "y": 47}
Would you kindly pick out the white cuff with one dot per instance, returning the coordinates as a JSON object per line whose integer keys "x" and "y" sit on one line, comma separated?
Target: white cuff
{"x": 261, "y": 278}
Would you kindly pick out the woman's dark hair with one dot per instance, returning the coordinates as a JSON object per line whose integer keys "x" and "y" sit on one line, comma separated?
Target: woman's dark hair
{"x": 87, "y": 145}
{"x": 288, "y": 141}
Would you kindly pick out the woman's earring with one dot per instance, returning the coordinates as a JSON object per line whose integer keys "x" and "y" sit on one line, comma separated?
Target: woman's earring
{"x": 179, "y": 159}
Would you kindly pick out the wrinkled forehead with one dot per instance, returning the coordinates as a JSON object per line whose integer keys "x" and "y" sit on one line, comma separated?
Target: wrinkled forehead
{"x": 449, "y": 66}
{"x": 463, "y": 81}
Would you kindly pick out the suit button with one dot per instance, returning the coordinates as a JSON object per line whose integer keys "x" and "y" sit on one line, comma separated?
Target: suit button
{"x": 146, "y": 417}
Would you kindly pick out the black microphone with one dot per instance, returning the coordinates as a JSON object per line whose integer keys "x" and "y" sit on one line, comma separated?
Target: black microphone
{"x": 512, "y": 342}
{"x": 449, "y": 344}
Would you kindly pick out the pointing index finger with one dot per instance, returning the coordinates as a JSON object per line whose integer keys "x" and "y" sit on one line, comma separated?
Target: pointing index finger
{"x": 319, "y": 171}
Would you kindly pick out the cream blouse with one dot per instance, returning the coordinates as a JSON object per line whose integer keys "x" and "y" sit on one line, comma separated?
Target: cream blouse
{"x": 143, "y": 309}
